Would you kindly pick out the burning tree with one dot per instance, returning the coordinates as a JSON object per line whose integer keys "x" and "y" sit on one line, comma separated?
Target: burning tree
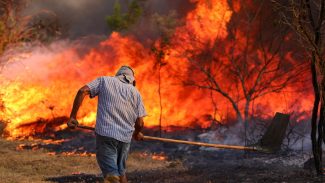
{"x": 16, "y": 29}
{"x": 213, "y": 48}
{"x": 12, "y": 31}
{"x": 249, "y": 63}
{"x": 166, "y": 26}
{"x": 306, "y": 18}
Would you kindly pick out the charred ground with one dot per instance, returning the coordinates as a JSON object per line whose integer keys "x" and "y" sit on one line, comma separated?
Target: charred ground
{"x": 67, "y": 156}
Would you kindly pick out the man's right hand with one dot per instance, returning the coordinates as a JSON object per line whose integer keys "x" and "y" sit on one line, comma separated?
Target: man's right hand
{"x": 138, "y": 136}
{"x": 72, "y": 123}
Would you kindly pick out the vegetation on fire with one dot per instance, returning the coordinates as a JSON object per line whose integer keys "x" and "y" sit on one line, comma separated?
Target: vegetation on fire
{"x": 306, "y": 18}
{"x": 17, "y": 29}
{"x": 211, "y": 51}
{"x": 241, "y": 55}
{"x": 252, "y": 55}
{"x": 166, "y": 26}
{"x": 257, "y": 53}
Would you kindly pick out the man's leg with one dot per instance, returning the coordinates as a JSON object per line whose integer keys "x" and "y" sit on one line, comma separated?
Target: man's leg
{"x": 123, "y": 151}
{"x": 106, "y": 156}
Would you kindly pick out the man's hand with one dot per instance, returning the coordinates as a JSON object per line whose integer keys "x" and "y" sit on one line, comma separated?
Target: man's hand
{"x": 72, "y": 123}
{"x": 138, "y": 136}
{"x": 85, "y": 90}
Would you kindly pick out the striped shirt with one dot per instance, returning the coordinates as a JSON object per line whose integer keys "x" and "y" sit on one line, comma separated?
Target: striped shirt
{"x": 119, "y": 105}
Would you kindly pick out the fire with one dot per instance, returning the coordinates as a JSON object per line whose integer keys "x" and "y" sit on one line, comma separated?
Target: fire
{"x": 73, "y": 154}
{"x": 160, "y": 157}
{"x": 21, "y": 147}
{"x": 207, "y": 13}
{"x": 40, "y": 144}
{"x": 154, "y": 156}
{"x": 38, "y": 87}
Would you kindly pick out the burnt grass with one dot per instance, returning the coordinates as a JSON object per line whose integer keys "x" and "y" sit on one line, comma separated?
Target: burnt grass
{"x": 187, "y": 164}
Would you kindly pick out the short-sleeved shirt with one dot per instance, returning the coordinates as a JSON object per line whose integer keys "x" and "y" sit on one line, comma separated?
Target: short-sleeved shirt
{"x": 119, "y": 105}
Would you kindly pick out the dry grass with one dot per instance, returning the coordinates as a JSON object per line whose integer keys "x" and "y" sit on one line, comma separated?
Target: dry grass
{"x": 36, "y": 165}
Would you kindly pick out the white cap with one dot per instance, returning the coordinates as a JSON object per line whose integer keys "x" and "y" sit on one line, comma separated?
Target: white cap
{"x": 125, "y": 74}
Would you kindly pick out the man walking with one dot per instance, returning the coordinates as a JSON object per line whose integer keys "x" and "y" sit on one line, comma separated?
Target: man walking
{"x": 120, "y": 115}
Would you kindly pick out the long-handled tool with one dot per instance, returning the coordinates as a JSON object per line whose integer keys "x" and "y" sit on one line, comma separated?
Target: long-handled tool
{"x": 220, "y": 146}
{"x": 269, "y": 143}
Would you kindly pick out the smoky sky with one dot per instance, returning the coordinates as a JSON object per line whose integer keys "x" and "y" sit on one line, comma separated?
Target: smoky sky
{"x": 87, "y": 17}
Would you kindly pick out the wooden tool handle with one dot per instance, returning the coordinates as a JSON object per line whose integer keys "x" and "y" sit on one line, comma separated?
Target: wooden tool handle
{"x": 220, "y": 146}
{"x": 86, "y": 127}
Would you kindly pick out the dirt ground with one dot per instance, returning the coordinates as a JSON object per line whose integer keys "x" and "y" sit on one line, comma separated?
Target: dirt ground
{"x": 183, "y": 165}
{"x": 39, "y": 165}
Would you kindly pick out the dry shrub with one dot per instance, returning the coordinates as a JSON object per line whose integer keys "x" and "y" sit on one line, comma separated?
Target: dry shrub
{"x": 17, "y": 28}
{"x": 12, "y": 25}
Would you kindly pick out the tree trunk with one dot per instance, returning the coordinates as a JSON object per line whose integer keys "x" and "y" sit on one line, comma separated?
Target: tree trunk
{"x": 239, "y": 116}
{"x": 314, "y": 116}
{"x": 246, "y": 110}
{"x": 160, "y": 99}
{"x": 321, "y": 124}
{"x": 320, "y": 138}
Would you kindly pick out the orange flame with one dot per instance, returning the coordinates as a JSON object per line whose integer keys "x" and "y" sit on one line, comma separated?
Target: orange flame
{"x": 41, "y": 86}
{"x": 154, "y": 156}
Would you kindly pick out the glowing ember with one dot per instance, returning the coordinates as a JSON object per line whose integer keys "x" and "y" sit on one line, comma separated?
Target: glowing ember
{"x": 154, "y": 156}
{"x": 39, "y": 143}
{"x": 51, "y": 153}
{"x": 50, "y": 141}
{"x": 77, "y": 154}
{"x": 33, "y": 147}
{"x": 72, "y": 154}
{"x": 160, "y": 157}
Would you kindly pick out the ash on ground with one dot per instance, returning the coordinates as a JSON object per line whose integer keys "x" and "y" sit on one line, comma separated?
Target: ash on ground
{"x": 198, "y": 164}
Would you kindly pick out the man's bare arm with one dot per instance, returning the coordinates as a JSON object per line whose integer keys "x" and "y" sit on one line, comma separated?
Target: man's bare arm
{"x": 85, "y": 90}
{"x": 137, "y": 135}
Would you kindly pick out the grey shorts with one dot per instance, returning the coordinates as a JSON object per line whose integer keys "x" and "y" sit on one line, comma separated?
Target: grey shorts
{"x": 111, "y": 155}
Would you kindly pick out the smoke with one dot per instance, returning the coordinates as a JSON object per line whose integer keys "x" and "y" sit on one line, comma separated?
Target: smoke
{"x": 80, "y": 17}
{"x": 32, "y": 63}
{"x": 224, "y": 135}
{"x": 84, "y": 17}
{"x": 297, "y": 136}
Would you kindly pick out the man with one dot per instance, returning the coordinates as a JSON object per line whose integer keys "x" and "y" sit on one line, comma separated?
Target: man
{"x": 120, "y": 115}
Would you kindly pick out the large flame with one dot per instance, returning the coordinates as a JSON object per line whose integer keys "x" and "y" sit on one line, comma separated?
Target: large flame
{"x": 41, "y": 85}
